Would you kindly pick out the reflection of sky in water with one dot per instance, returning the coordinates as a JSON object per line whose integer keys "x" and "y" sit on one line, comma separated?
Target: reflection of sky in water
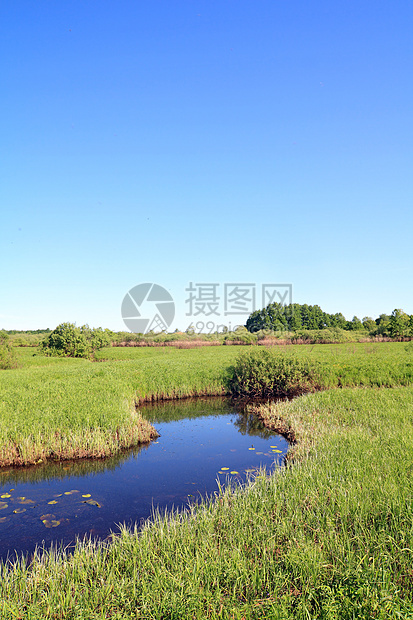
{"x": 183, "y": 463}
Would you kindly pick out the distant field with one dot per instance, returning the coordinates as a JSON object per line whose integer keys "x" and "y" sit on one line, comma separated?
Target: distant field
{"x": 59, "y": 407}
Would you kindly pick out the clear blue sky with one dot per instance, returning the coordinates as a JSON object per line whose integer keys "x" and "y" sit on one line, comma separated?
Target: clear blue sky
{"x": 224, "y": 141}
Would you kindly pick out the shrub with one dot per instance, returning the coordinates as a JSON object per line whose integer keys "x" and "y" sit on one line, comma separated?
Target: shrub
{"x": 7, "y": 355}
{"x": 67, "y": 340}
{"x": 240, "y": 336}
{"x": 267, "y": 373}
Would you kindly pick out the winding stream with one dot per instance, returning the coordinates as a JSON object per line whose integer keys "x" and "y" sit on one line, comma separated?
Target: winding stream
{"x": 201, "y": 441}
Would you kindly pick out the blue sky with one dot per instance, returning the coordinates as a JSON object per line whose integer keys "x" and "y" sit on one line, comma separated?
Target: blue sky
{"x": 204, "y": 141}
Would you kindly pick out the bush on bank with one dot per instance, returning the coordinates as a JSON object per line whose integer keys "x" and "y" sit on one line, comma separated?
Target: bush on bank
{"x": 265, "y": 373}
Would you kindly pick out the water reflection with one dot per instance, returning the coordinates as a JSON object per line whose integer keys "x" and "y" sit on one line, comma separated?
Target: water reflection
{"x": 62, "y": 469}
{"x": 190, "y": 408}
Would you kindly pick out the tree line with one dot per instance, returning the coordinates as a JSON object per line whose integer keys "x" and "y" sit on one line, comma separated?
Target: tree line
{"x": 294, "y": 317}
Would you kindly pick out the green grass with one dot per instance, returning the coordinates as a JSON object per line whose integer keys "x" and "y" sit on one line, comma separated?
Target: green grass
{"x": 330, "y": 537}
{"x": 71, "y": 408}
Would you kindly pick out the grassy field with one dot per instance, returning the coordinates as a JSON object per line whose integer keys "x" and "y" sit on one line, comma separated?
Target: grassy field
{"x": 54, "y": 408}
{"x": 330, "y": 537}
{"x": 68, "y": 408}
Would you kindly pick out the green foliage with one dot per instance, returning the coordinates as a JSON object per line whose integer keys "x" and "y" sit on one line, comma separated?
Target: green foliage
{"x": 265, "y": 373}
{"x": 298, "y": 317}
{"x": 67, "y": 340}
{"x": 369, "y": 324}
{"x": 355, "y": 324}
{"x": 26, "y": 339}
{"x": 240, "y": 336}
{"x": 7, "y": 355}
{"x": 399, "y": 323}
{"x": 294, "y": 317}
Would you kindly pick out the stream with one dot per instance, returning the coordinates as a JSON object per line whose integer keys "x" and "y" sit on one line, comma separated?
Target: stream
{"x": 202, "y": 441}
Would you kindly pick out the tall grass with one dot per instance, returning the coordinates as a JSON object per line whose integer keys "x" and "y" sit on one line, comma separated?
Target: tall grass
{"x": 54, "y": 408}
{"x": 329, "y": 538}
{"x": 57, "y": 408}
{"x": 288, "y": 371}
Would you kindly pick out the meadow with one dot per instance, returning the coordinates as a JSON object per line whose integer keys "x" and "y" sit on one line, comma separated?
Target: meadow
{"x": 55, "y": 408}
{"x": 70, "y": 408}
{"x": 330, "y": 536}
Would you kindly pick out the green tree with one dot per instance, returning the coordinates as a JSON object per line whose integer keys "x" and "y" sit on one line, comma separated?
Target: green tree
{"x": 383, "y": 325}
{"x": 357, "y": 324}
{"x": 399, "y": 323}
{"x": 294, "y": 317}
{"x": 338, "y": 320}
{"x": 369, "y": 324}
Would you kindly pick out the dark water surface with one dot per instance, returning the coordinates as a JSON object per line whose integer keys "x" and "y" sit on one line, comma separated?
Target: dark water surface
{"x": 202, "y": 441}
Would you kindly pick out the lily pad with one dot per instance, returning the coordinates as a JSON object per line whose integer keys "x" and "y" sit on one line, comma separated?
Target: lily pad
{"x": 51, "y": 523}
{"x": 234, "y": 472}
{"x": 52, "y": 502}
{"x": 5, "y": 495}
{"x": 87, "y": 495}
{"x": 3, "y": 505}
{"x": 92, "y": 502}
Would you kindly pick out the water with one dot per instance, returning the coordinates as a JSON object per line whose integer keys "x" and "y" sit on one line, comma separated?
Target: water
{"x": 201, "y": 441}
